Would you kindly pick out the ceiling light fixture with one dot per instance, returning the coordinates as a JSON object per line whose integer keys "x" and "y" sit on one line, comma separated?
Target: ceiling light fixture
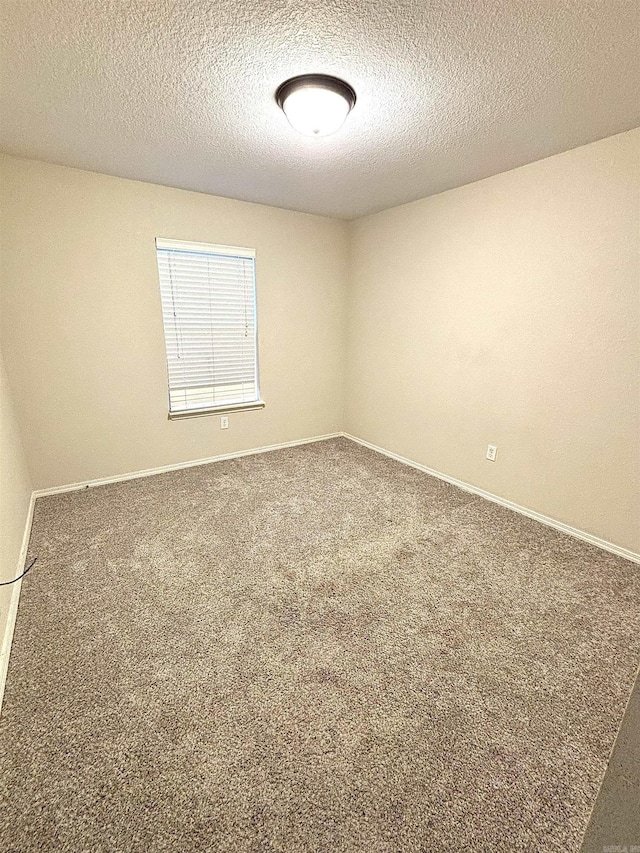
{"x": 316, "y": 104}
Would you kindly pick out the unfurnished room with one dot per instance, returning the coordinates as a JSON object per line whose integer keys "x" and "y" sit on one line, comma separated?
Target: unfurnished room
{"x": 320, "y": 426}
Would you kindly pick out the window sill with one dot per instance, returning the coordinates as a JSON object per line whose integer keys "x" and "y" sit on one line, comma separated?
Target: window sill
{"x": 219, "y": 410}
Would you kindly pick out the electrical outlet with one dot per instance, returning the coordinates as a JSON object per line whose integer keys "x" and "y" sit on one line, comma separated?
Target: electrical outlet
{"x": 492, "y": 451}
{"x": 224, "y": 422}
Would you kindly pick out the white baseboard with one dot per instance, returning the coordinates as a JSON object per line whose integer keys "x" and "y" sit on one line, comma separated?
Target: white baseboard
{"x": 178, "y": 466}
{"x": 5, "y": 649}
{"x": 530, "y": 513}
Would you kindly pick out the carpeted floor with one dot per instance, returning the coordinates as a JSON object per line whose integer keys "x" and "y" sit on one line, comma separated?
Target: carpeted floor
{"x": 315, "y": 649}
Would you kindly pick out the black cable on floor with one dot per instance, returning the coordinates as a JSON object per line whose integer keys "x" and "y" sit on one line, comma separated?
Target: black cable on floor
{"x": 28, "y": 569}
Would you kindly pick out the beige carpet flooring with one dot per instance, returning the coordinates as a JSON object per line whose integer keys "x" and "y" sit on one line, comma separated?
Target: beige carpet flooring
{"x": 314, "y": 649}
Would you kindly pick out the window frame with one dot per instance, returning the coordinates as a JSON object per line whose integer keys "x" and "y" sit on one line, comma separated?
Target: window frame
{"x": 167, "y": 244}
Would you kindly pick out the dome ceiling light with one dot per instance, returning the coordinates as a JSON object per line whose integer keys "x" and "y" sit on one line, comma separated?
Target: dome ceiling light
{"x": 316, "y": 104}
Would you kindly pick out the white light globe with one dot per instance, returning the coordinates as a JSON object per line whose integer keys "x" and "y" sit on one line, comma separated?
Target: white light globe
{"x": 315, "y": 110}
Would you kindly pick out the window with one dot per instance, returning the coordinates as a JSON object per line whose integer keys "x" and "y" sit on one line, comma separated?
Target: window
{"x": 209, "y": 311}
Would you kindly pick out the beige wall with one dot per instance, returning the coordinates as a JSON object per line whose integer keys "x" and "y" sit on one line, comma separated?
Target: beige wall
{"x": 82, "y": 324}
{"x": 503, "y": 312}
{"x": 15, "y": 494}
{"x": 507, "y": 312}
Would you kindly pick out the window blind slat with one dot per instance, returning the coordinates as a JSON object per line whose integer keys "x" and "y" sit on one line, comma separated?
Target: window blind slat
{"x": 209, "y": 313}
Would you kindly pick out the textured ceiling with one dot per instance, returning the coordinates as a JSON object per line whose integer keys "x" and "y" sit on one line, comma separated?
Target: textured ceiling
{"x": 180, "y": 92}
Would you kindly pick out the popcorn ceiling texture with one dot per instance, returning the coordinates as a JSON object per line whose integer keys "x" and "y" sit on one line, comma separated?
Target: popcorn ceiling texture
{"x": 316, "y": 649}
{"x": 180, "y": 92}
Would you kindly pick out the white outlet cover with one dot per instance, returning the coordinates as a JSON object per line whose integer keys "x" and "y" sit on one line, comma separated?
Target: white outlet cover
{"x": 492, "y": 452}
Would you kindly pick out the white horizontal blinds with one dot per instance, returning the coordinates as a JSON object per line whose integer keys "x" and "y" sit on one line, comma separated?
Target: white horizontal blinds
{"x": 209, "y": 312}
